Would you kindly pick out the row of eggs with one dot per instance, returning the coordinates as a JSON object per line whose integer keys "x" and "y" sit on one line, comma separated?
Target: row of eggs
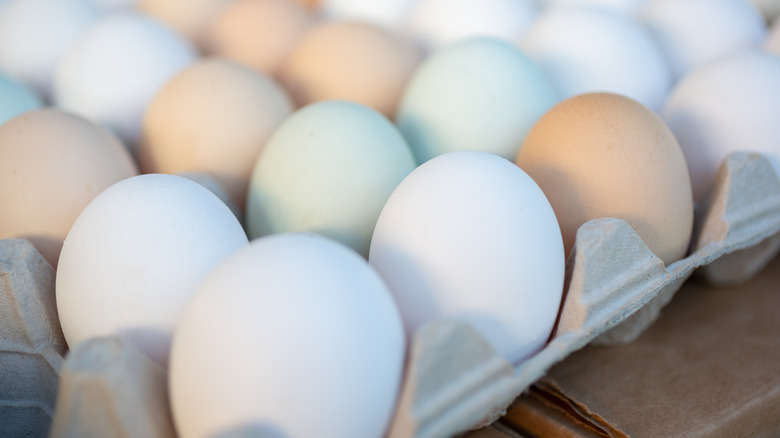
{"x": 304, "y": 317}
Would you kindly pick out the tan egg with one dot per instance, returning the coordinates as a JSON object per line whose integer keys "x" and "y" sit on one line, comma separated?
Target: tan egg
{"x": 213, "y": 117}
{"x": 604, "y": 155}
{"x": 189, "y": 17}
{"x": 351, "y": 61}
{"x": 52, "y": 164}
{"x": 258, "y": 33}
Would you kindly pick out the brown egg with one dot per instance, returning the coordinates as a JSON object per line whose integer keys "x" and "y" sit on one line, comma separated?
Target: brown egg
{"x": 350, "y": 61}
{"x": 258, "y": 33}
{"x": 604, "y": 155}
{"x": 212, "y": 117}
{"x": 189, "y": 17}
{"x": 52, "y": 164}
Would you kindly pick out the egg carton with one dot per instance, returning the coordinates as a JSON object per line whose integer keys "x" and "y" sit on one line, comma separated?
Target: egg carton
{"x": 455, "y": 381}
{"x": 615, "y": 289}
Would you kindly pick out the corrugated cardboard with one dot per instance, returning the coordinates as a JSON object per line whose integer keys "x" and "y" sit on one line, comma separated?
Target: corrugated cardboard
{"x": 710, "y": 367}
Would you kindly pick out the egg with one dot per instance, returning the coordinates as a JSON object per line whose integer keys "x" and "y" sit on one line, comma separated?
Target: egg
{"x": 328, "y": 168}
{"x": 112, "y": 72}
{"x": 689, "y": 40}
{"x": 605, "y": 155}
{"x": 135, "y": 256}
{"x": 16, "y": 98}
{"x": 214, "y": 117}
{"x": 437, "y": 23}
{"x": 191, "y": 18}
{"x": 772, "y": 42}
{"x": 469, "y": 236}
{"x": 726, "y": 106}
{"x": 387, "y": 13}
{"x": 350, "y": 61}
{"x": 294, "y": 324}
{"x": 588, "y": 49}
{"x": 478, "y": 94}
{"x": 52, "y": 164}
{"x": 258, "y": 33}
{"x": 34, "y": 35}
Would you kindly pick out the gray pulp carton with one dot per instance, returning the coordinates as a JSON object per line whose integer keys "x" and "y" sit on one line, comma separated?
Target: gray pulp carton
{"x": 454, "y": 380}
{"x": 615, "y": 289}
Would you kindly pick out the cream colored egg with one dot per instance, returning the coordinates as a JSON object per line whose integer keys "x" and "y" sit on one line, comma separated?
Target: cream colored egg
{"x": 189, "y": 17}
{"x": 258, "y": 33}
{"x": 351, "y": 61}
{"x": 52, "y": 164}
{"x": 605, "y": 155}
{"x": 213, "y": 117}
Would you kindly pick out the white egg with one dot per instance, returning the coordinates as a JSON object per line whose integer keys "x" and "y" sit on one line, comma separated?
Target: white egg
{"x": 329, "y": 168}
{"x": 694, "y": 32}
{"x": 34, "y": 35}
{"x": 587, "y": 49}
{"x": 295, "y": 334}
{"x": 478, "y": 94}
{"x": 112, "y": 72}
{"x": 440, "y": 22}
{"x": 726, "y": 106}
{"x": 470, "y": 236}
{"x": 135, "y": 256}
{"x": 388, "y": 13}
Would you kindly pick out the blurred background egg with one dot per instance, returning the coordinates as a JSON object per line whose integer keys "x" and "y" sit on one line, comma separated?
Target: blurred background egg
{"x": 136, "y": 255}
{"x": 350, "y": 61}
{"x": 214, "y": 117}
{"x": 605, "y": 155}
{"x": 292, "y": 324}
{"x": 190, "y": 18}
{"x": 436, "y": 23}
{"x": 16, "y": 98}
{"x": 390, "y": 14}
{"x": 328, "y": 168}
{"x": 690, "y": 37}
{"x": 34, "y": 35}
{"x": 470, "y": 236}
{"x": 478, "y": 94}
{"x": 258, "y": 33}
{"x": 52, "y": 164}
{"x": 588, "y": 49}
{"x": 726, "y": 106}
{"x": 112, "y": 72}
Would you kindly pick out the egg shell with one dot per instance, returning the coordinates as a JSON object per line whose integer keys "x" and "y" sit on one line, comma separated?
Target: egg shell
{"x": 258, "y": 33}
{"x": 386, "y": 13}
{"x": 136, "y": 255}
{"x": 328, "y": 168}
{"x": 605, "y": 155}
{"x": 292, "y": 324}
{"x": 470, "y": 236}
{"x": 588, "y": 49}
{"x": 16, "y": 98}
{"x": 34, "y": 35}
{"x": 52, "y": 164}
{"x": 112, "y": 72}
{"x": 690, "y": 39}
{"x": 479, "y": 94}
{"x": 190, "y": 18}
{"x": 350, "y": 61}
{"x": 436, "y": 23}
{"x": 214, "y": 117}
{"x": 726, "y": 106}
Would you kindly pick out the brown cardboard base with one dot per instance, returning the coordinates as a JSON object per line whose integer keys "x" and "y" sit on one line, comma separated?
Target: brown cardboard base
{"x": 709, "y": 367}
